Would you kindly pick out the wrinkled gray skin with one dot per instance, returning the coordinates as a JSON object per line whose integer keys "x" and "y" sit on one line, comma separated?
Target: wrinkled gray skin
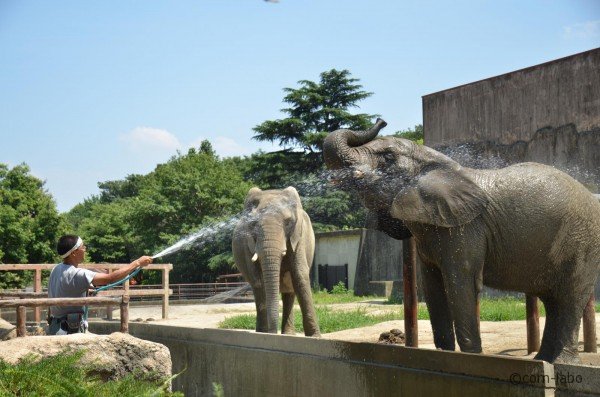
{"x": 273, "y": 246}
{"x": 527, "y": 227}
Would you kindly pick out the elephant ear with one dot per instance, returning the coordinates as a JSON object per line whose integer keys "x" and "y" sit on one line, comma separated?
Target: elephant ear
{"x": 300, "y": 217}
{"x": 443, "y": 197}
{"x": 248, "y": 203}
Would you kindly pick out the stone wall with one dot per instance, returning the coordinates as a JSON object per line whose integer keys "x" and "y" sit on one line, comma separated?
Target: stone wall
{"x": 548, "y": 113}
{"x": 244, "y": 363}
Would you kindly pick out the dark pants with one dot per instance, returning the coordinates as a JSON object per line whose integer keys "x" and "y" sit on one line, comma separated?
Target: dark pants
{"x": 72, "y": 323}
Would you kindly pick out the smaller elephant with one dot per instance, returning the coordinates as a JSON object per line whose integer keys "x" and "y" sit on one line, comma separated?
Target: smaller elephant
{"x": 273, "y": 247}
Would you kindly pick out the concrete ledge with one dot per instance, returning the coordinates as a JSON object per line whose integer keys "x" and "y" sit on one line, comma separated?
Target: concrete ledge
{"x": 386, "y": 288}
{"x": 250, "y": 364}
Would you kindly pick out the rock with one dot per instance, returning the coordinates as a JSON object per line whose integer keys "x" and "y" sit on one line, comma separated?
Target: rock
{"x": 7, "y": 330}
{"x": 110, "y": 356}
{"x": 394, "y": 337}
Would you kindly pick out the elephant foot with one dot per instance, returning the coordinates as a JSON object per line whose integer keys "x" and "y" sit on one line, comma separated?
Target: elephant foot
{"x": 314, "y": 335}
{"x": 566, "y": 356}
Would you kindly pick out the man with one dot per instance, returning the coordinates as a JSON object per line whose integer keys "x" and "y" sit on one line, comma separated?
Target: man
{"x": 67, "y": 280}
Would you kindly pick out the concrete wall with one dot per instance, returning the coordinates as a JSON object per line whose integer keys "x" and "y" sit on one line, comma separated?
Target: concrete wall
{"x": 250, "y": 364}
{"x": 338, "y": 248}
{"x": 549, "y": 113}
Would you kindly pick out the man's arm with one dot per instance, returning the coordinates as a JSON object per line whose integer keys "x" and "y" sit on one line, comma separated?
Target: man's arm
{"x": 107, "y": 278}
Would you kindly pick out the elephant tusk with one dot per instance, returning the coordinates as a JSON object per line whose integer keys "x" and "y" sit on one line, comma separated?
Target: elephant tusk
{"x": 255, "y": 257}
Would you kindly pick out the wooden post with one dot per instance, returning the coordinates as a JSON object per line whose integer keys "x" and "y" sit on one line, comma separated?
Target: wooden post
{"x": 125, "y": 314}
{"x": 589, "y": 326}
{"x": 165, "y": 297}
{"x": 109, "y": 309}
{"x": 409, "y": 272}
{"x": 533, "y": 323}
{"x": 37, "y": 287}
{"x": 21, "y": 321}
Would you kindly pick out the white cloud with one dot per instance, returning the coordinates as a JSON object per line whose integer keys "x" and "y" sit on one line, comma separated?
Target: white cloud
{"x": 583, "y": 30}
{"x": 147, "y": 138}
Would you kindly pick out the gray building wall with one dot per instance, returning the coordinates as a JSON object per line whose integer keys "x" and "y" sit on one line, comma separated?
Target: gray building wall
{"x": 337, "y": 248}
{"x": 548, "y": 113}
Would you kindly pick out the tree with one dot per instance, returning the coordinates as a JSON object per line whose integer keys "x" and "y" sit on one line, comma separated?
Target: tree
{"x": 29, "y": 223}
{"x": 144, "y": 214}
{"x": 316, "y": 109}
{"x": 415, "y": 135}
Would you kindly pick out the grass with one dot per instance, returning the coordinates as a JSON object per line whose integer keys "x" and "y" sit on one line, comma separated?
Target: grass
{"x": 330, "y": 320}
{"x": 326, "y": 298}
{"x": 62, "y": 375}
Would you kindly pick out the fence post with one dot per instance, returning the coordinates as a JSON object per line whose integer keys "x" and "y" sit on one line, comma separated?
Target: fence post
{"x": 125, "y": 314}
{"x": 21, "y": 321}
{"x": 109, "y": 313}
{"x": 165, "y": 298}
{"x": 409, "y": 272}
{"x": 533, "y": 324}
{"x": 37, "y": 287}
{"x": 589, "y": 326}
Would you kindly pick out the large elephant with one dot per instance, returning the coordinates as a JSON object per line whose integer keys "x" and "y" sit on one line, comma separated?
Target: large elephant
{"x": 273, "y": 246}
{"x": 528, "y": 227}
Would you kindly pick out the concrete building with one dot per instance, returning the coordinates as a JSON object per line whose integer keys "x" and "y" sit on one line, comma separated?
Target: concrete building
{"x": 548, "y": 113}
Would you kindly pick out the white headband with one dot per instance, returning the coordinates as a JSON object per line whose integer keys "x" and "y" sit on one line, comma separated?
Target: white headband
{"x": 77, "y": 245}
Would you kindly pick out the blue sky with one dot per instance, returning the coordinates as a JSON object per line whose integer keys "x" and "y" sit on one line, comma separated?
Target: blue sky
{"x": 94, "y": 91}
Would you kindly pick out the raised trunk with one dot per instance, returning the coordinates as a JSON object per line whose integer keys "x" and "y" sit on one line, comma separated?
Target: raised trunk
{"x": 338, "y": 146}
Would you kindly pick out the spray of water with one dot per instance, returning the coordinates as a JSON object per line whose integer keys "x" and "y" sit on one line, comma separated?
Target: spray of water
{"x": 207, "y": 234}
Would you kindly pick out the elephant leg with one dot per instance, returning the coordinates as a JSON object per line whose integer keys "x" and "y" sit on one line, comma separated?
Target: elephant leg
{"x": 301, "y": 281}
{"x": 287, "y": 325}
{"x": 462, "y": 287}
{"x": 561, "y": 331}
{"x": 437, "y": 305}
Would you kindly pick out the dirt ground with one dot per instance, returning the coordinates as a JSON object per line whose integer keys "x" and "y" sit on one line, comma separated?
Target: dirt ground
{"x": 504, "y": 337}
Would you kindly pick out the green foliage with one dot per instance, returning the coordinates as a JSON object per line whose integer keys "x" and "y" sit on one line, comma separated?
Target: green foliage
{"x": 330, "y": 320}
{"x": 29, "y": 223}
{"x": 144, "y": 214}
{"x": 415, "y": 135}
{"x": 322, "y": 297}
{"x": 339, "y": 289}
{"x": 317, "y": 109}
{"x": 62, "y": 375}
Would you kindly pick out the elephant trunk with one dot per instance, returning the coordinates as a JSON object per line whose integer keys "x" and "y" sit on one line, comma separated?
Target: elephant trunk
{"x": 272, "y": 247}
{"x": 271, "y": 270}
{"x": 338, "y": 147}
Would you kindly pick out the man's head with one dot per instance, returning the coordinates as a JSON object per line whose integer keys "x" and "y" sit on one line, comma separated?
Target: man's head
{"x": 70, "y": 245}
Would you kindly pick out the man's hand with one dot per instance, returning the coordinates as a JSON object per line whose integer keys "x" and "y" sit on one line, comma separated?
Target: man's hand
{"x": 143, "y": 261}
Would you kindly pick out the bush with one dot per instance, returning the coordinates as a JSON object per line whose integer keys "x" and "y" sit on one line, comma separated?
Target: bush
{"x": 339, "y": 289}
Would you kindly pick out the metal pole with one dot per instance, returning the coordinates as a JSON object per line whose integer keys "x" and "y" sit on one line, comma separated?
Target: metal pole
{"x": 409, "y": 272}
{"x": 533, "y": 324}
{"x": 589, "y": 326}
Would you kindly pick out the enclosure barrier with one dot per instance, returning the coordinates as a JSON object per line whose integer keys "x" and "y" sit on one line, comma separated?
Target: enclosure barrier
{"x": 164, "y": 291}
{"x": 22, "y": 304}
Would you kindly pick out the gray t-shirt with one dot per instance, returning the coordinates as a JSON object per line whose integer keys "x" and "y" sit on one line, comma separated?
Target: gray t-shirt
{"x": 68, "y": 281}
